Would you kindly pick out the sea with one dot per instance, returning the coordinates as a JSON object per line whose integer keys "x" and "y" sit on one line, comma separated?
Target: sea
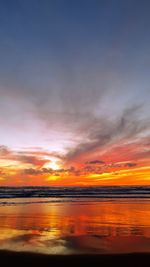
{"x": 75, "y": 220}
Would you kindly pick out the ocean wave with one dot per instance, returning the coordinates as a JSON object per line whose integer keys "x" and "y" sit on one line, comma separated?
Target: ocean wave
{"x": 75, "y": 192}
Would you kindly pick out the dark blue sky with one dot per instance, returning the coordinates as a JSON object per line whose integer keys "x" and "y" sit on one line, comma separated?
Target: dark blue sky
{"x": 101, "y": 33}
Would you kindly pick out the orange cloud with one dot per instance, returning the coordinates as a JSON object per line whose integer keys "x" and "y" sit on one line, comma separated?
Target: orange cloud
{"x": 120, "y": 164}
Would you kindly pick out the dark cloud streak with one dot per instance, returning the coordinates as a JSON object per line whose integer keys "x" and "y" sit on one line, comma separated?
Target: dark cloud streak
{"x": 104, "y": 132}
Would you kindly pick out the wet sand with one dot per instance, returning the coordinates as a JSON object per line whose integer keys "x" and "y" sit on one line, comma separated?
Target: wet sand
{"x": 113, "y": 226}
{"x": 8, "y": 258}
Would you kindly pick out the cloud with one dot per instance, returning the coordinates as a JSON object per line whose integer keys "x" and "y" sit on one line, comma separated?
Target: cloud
{"x": 36, "y": 158}
{"x": 31, "y": 171}
{"x": 130, "y": 164}
{"x": 104, "y": 133}
{"x": 42, "y": 171}
{"x": 95, "y": 162}
{"x": 38, "y": 152}
{"x": 4, "y": 151}
{"x": 37, "y": 161}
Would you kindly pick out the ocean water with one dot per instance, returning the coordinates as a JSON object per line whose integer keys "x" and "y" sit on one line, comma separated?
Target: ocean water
{"x": 76, "y": 192}
{"x": 100, "y": 220}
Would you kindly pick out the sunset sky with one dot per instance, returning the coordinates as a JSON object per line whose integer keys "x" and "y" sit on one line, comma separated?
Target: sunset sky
{"x": 74, "y": 92}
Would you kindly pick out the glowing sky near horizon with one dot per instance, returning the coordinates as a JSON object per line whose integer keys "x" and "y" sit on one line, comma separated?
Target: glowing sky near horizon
{"x": 74, "y": 92}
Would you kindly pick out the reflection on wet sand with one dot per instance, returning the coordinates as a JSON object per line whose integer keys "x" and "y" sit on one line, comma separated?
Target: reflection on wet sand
{"x": 112, "y": 226}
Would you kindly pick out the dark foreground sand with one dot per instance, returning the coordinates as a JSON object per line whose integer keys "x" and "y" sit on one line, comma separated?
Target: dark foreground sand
{"x": 30, "y": 259}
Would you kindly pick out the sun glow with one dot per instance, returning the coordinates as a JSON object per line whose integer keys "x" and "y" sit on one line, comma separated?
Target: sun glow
{"x": 52, "y": 164}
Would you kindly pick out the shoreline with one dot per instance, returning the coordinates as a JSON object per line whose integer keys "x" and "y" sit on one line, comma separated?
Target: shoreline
{"x": 9, "y": 258}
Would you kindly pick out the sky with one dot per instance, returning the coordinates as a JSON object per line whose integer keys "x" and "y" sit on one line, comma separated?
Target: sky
{"x": 74, "y": 92}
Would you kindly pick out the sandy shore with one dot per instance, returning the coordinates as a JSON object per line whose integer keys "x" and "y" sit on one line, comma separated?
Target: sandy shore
{"x": 8, "y": 258}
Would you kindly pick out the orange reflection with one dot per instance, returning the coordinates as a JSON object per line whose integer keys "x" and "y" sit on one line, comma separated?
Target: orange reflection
{"x": 76, "y": 227}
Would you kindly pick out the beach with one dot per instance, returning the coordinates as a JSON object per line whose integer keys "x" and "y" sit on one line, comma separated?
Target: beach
{"x": 104, "y": 230}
